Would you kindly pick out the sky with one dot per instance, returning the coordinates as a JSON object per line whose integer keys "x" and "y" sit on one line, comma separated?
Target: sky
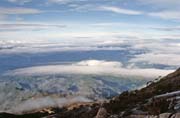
{"x": 31, "y": 26}
{"x": 66, "y": 19}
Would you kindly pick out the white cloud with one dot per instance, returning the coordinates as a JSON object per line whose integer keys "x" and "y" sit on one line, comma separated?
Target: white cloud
{"x": 164, "y": 51}
{"x": 59, "y": 1}
{"x": 40, "y": 46}
{"x": 35, "y": 42}
{"x": 160, "y": 45}
{"x": 153, "y": 58}
{"x": 174, "y": 15}
{"x": 66, "y": 41}
{"x": 120, "y": 10}
{"x": 18, "y": 10}
{"x": 165, "y": 9}
{"x": 96, "y": 63}
{"x": 90, "y": 67}
{"x": 2, "y": 17}
{"x": 174, "y": 28}
{"x": 28, "y": 26}
{"x": 65, "y": 1}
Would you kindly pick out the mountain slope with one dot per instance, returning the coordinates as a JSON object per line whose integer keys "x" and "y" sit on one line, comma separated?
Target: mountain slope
{"x": 162, "y": 96}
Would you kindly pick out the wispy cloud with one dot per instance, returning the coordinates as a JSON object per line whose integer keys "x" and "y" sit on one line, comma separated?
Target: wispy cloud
{"x": 170, "y": 4}
{"x": 175, "y": 28}
{"x": 5, "y": 12}
{"x": 174, "y": 15}
{"x": 19, "y": 1}
{"x": 65, "y": 1}
{"x": 18, "y": 10}
{"x": 120, "y": 10}
{"x": 28, "y": 26}
{"x": 59, "y": 1}
{"x": 164, "y": 9}
{"x": 2, "y": 17}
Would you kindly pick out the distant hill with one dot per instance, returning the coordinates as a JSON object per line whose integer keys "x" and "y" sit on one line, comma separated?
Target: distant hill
{"x": 159, "y": 98}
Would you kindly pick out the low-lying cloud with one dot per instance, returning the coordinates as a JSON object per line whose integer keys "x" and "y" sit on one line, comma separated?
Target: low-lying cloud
{"x": 87, "y": 67}
{"x": 174, "y": 15}
{"x": 97, "y": 63}
{"x": 152, "y": 58}
{"x": 46, "y": 102}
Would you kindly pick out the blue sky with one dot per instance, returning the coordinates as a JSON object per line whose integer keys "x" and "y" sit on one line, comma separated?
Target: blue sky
{"x": 156, "y": 13}
{"x": 85, "y": 11}
{"x": 33, "y": 26}
{"x": 66, "y": 20}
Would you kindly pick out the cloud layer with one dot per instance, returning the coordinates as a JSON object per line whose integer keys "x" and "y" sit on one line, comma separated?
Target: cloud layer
{"x": 162, "y": 49}
{"x": 89, "y": 67}
{"x": 164, "y": 59}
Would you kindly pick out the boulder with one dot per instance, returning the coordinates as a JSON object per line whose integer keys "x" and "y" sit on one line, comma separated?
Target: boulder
{"x": 102, "y": 113}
